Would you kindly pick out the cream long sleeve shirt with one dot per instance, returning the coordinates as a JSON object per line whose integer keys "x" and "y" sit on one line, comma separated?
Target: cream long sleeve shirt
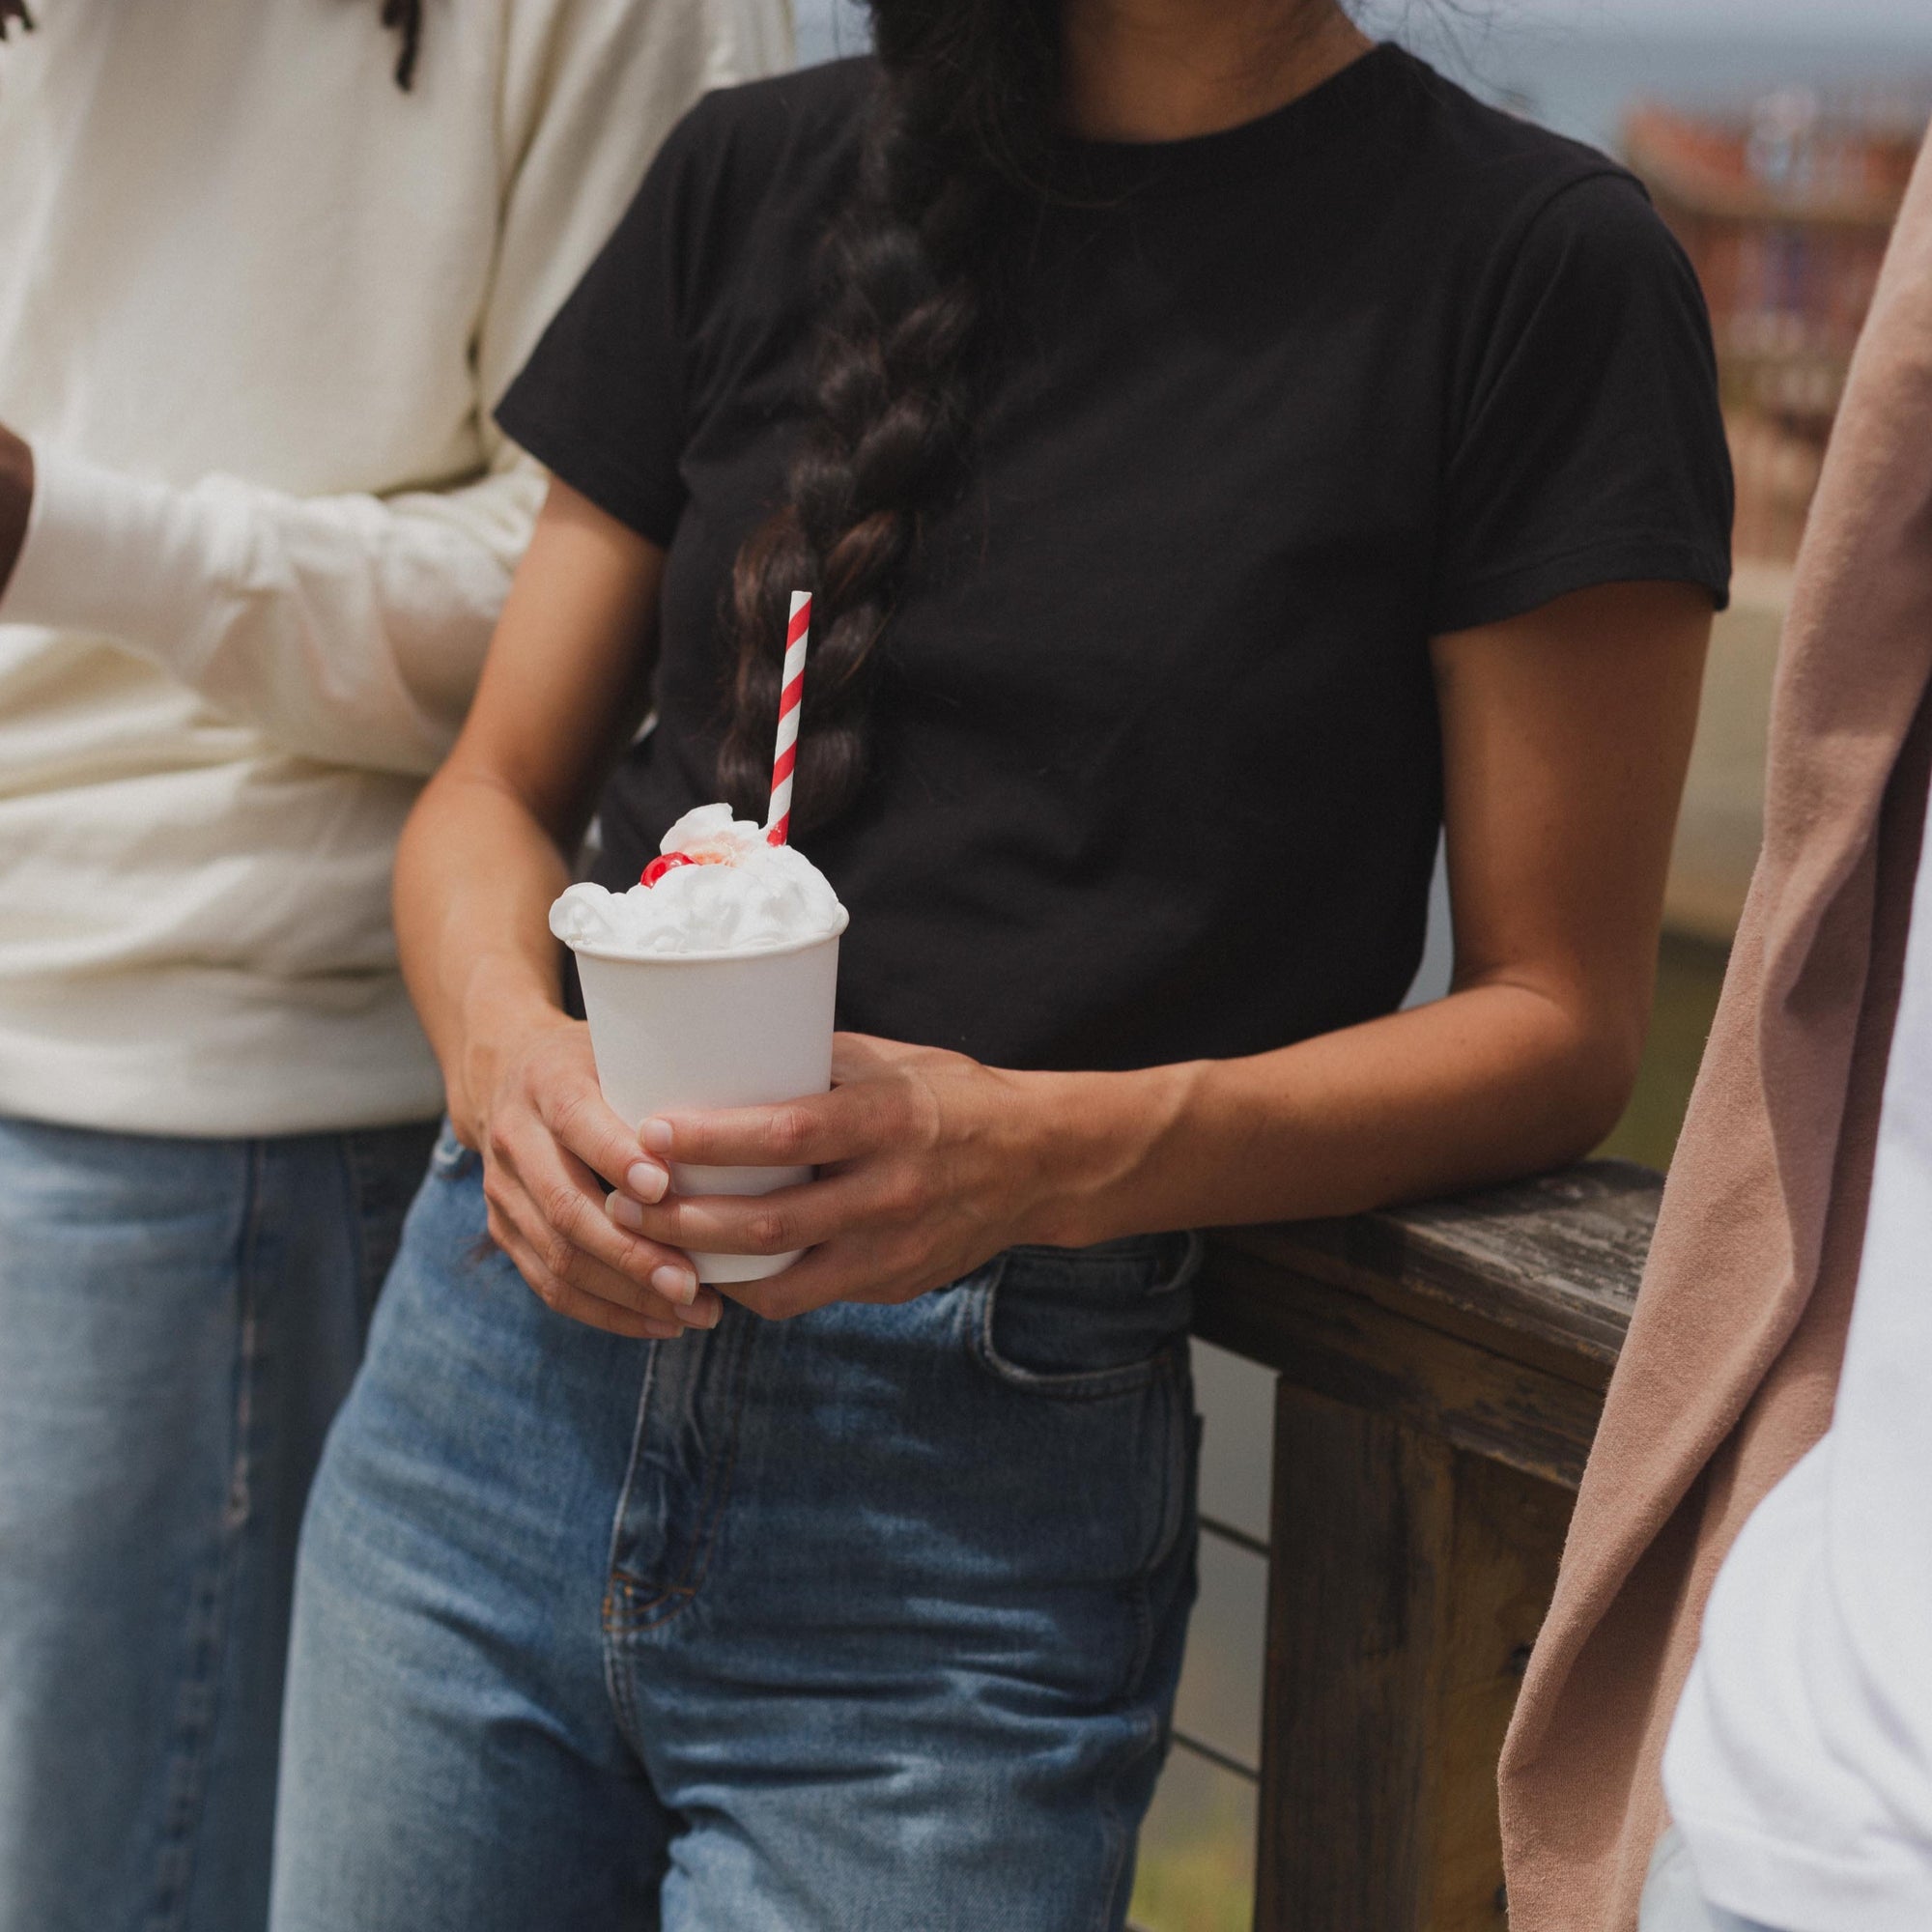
{"x": 256, "y": 304}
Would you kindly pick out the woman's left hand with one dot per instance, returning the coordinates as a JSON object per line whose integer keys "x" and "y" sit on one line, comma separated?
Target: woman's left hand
{"x": 929, "y": 1164}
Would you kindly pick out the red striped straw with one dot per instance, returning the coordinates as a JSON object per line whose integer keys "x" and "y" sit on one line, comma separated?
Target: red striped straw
{"x": 778, "y": 821}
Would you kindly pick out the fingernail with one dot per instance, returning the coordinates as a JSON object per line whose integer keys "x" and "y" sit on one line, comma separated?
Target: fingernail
{"x": 625, "y": 1211}
{"x": 705, "y": 1314}
{"x": 675, "y": 1283}
{"x": 656, "y": 1135}
{"x": 646, "y": 1180}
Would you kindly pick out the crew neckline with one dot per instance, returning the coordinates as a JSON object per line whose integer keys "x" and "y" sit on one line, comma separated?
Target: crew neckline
{"x": 1309, "y": 120}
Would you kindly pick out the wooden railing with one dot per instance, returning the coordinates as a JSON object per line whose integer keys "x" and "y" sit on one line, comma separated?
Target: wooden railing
{"x": 1439, "y": 1373}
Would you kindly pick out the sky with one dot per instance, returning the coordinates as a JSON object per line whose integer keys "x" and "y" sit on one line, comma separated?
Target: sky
{"x": 1579, "y": 63}
{"x": 1904, "y": 19}
{"x": 1908, "y": 21}
{"x": 1576, "y": 63}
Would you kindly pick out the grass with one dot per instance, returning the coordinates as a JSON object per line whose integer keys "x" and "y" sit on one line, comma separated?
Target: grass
{"x": 1197, "y": 1856}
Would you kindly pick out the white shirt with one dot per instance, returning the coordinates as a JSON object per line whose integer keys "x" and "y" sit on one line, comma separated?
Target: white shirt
{"x": 1799, "y": 1763}
{"x": 256, "y": 304}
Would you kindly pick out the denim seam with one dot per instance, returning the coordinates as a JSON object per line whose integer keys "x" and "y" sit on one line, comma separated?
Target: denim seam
{"x": 617, "y": 1682}
{"x": 1166, "y": 1529}
{"x": 1172, "y": 1517}
{"x": 1114, "y": 1837}
{"x": 1174, "y": 1465}
{"x": 197, "y": 1703}
{"x": 1138, "y": 1601}
{"x": 711, "y": 1508}
{"x": 617, "y": 1687}
{"x": 1109, "y": 1906}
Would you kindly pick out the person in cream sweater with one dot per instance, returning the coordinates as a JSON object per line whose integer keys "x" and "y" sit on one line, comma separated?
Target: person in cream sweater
{"x": 265, "y": 267}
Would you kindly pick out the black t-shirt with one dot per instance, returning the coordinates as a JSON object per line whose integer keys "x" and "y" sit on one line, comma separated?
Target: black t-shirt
{"x": 1156, "y": 761}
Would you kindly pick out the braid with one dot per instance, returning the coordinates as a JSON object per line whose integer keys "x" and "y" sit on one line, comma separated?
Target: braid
{"x": 404, "y": 15}
{"x": 912, "y": 268}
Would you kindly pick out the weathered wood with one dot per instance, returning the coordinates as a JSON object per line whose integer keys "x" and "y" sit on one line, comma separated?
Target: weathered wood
{"x": 1358, "y": 1607}
{"x": 1440, "y": 1375}
{"x": 1553, "y": 1260}
{"x": 1408, "y": 1584}
{"x": 1509, "y": 1535}
{"x": 1352, "y": 1350}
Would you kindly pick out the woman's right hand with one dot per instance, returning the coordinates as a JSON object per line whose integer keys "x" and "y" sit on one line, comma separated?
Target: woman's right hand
{"x": 546, "y": 1136}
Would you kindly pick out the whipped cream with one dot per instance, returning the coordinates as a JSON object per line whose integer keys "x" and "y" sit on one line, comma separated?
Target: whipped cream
{"x": 738, "y": 895}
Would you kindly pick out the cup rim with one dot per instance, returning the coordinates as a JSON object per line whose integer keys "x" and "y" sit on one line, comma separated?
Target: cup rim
{"x": 790, "y": 946}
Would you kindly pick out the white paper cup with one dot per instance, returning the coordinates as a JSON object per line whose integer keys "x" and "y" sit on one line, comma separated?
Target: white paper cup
{"x": 695, "y": 1029}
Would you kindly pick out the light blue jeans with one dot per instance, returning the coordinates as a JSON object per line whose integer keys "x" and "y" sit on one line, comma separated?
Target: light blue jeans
{"x": 1672, "y": 1901}
{"x": 864, "y": 1622}
{"x": 178, "y": 1320}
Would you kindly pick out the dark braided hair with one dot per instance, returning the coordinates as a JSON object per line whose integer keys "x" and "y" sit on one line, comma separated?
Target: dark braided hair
{"x": 912, "y": 270}
{"x": 406, "y": 17}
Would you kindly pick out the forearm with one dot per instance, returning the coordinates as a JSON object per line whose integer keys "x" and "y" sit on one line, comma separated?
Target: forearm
{"x": 1494, "y": 1081}
{"x": 348, "y": 629}
{"x": 475, "y": 875}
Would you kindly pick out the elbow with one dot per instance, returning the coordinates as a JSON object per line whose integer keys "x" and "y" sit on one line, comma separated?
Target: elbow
{"x": 1589, "y": 1123}
{"x": 1591, "y": 1078}
{"x": 1574, "y": 1054}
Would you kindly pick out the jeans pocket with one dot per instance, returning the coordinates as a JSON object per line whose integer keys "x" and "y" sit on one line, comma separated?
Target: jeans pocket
{"x": 1084, "y": 1323}
{"x": 449, "y": 1159}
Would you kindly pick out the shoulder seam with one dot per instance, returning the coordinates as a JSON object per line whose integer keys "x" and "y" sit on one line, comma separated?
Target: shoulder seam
{"x": 1535, "y": 211}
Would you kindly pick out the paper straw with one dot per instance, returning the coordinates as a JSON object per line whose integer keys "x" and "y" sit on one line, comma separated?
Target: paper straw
{"x": 778, "y": 821}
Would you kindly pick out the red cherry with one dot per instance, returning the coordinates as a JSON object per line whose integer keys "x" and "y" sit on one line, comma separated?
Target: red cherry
{"x": 658, "y": 867}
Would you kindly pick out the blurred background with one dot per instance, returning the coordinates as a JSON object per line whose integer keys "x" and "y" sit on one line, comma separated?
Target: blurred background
{"x": 1776, "y": 137}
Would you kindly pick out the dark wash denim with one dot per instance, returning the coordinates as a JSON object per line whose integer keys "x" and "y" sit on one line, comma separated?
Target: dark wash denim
{"x": 867, "y": 1621}
{"x": 178, "y": 1320}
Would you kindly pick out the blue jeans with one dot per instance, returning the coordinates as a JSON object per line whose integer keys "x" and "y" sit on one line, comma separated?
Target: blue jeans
{"x": 178, "y": 1322}
{"x": 1673, "y": 1901}
{"x": 865, "y": 1621}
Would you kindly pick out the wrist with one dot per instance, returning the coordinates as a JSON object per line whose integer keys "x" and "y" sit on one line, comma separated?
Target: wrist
{"x": 1105, "y": 1154}
{"x": 502, "y": 1009}
{"x": 16, "y": 500}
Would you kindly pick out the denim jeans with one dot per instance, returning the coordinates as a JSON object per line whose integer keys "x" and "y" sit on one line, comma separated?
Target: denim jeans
{"x": 1672, "y": 1901}
{"x": 179, "y": 1320}
{"x": 862, "y": 1622}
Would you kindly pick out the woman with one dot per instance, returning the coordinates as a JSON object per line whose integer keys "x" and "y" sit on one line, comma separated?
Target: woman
{"x": 1222, "y": 451}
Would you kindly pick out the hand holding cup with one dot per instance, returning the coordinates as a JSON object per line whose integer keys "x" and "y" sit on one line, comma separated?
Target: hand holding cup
{"x": 549, "y": 1142}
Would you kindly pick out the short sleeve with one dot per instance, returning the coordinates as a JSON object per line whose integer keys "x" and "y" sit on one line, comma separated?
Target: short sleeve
{"x": 601, "y": 401}
{"x": 1591, "y": 445}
